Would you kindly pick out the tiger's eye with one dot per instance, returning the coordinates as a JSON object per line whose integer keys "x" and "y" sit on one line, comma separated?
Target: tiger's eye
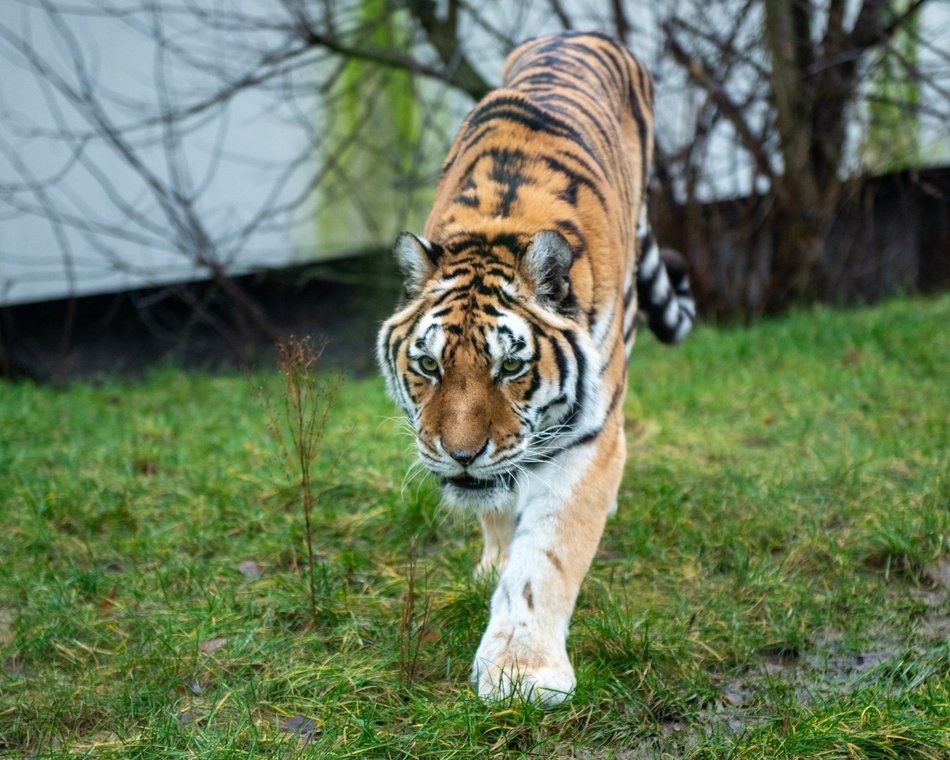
{"x": 512, "y": 366}
{"x": 429, "y": 364}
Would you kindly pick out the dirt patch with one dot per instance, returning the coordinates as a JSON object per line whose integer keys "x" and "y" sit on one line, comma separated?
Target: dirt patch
{"x": 830, "y": 667}
{"x": 935, "y": 622}
{"x": 938, "y": 576}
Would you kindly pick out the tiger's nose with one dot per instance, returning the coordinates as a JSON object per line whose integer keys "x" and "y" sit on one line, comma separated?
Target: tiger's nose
{"x": 466, "y": 456}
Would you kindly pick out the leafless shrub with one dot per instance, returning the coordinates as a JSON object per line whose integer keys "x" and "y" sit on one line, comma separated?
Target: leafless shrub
{"x": 414, "y": 625}
{"x": 299, "y": 425}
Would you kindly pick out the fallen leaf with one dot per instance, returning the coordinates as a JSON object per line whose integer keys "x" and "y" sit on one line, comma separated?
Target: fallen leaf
{"x": 305, "y": 728}
{"x": 109, "y": 599}
{"x": 188, "y": 717}
{"x": 298, "y": 724}
{"x": 212, "y": 644}
{"x": 250, "y": 569}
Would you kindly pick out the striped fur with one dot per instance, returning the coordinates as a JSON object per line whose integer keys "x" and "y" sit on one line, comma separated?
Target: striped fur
{"x": 663, "y": 288}
{"x": 509, "y": 351}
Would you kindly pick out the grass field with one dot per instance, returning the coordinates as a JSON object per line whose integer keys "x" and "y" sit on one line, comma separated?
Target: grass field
{"x": 774, "y": 585}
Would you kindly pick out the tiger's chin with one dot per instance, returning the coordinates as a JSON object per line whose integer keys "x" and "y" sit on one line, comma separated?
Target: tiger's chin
{"x": 479, "y": 493}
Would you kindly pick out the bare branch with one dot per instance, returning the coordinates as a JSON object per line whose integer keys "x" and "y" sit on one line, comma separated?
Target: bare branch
{"x": 699, "y": 73}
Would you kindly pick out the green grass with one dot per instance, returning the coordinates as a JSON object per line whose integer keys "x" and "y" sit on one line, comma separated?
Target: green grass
{"x": 774, "y": 585}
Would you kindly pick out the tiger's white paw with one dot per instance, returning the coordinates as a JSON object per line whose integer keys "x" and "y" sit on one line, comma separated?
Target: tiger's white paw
{"x": 550, "y": 683}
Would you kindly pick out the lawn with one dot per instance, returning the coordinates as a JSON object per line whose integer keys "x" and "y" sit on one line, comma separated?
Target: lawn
{"x": 774, "y": 585}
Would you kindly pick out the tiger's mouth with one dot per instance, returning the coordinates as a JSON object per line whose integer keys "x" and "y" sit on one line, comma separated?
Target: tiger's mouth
{"x": 503, "y": 481}
{"x": 469, "y": 483}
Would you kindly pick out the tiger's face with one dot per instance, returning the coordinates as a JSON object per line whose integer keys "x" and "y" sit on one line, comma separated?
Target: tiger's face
{"x": 483, "y": 360}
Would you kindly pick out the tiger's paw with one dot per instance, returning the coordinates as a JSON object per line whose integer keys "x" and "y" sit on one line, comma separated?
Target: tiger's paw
{"x": 549, "y": 684}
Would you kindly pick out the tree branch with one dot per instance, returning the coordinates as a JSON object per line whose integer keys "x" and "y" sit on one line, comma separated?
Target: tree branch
{"x": 699, "y": 73}
{"x": 443, "y": 36}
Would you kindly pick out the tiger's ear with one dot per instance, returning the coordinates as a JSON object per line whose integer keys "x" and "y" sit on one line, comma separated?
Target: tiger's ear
{"x": 547, "y": 265}
{"x": 417, "y": 258}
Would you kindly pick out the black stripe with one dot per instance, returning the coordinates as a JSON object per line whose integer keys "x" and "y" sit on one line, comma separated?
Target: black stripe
{"x": 590, "y": 435}
{"x": 605, "y": 66}
{"x": 575, "y": 178}
{"x": 469, "y": 142}
{"x": 534, "y": 384}
{"x": 622, "y": 68}
{"x": 522, "y": 112}
{"x": 628, "y": 333}
{"x": 643, "y": 132}
{"x": 603, "y": 174}
{"x": 610, "y": 141}
{"x": 566, "y": 225}
{"x": 581, "y": 370}
{"x": 613, "y": 354}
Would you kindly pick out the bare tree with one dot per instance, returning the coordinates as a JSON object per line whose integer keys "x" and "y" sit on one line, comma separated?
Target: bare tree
{"x": 302, "y": 57}
{"x": 780, "y": 80}
{"x": 792, "y": 111}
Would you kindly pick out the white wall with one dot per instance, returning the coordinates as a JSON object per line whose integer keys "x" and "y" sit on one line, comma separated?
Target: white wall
{"x": 232, "y": 160}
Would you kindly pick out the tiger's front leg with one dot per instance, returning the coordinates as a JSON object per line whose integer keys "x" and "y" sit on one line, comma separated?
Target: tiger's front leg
{"x": 560, "y": 517}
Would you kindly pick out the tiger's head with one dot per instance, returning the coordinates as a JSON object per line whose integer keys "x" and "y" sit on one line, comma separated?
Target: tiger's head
{"x": 485, "y": 358}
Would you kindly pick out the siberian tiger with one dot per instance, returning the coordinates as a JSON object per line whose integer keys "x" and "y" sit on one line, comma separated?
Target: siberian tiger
{"x": 508, "y": 352}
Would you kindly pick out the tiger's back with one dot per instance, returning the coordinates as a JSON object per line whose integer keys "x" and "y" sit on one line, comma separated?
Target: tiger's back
{"x": 509, "y": 350}
{"x": 564, "y": 144}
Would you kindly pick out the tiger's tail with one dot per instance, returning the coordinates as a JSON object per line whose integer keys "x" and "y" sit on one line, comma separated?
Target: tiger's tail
{"x": 663, "y": 292}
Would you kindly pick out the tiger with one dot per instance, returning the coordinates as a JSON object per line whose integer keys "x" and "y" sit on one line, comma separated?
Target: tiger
{"x": 508, "y": 350}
